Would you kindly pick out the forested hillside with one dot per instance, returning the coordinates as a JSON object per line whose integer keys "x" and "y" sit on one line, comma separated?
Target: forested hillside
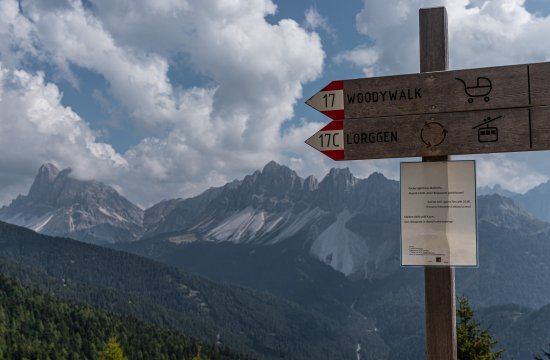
{"x": 37, "y": 326}
{"x": 247, "y": 321}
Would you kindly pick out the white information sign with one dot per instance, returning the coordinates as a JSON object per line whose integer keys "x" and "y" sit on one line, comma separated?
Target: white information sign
{"x": 438, "y": 214}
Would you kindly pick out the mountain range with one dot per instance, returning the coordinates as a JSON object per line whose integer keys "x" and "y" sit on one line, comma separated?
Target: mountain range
{"x": 90, "y": 211}
{"x": 331, "y": 245}
{"x": 351, "y": 224}
{"x": 265, "y": 207}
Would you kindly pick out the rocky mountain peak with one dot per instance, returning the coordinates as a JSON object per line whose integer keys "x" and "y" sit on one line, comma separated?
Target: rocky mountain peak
{"x": 311, "y": 183}
{"x": 273, "y": 181}
{"x": 348, "y": 223}
{"x": 342, "y": 178}
{"x": 338, "y": 181}
{"x": 58, "y": 204}
{"x": 376, "y": 195}
{"x": 43, "y": 182}
{"x": 335, "y": 189}
{"x": 273, "y": 167}
{"x": 496, "y": 189}
{"x": 504, "y": 212}
{"x": 48, "y": 169}
{"x": 377, "y": 177}
{"x": 536, "y": 201}
{"x": 541, "y": 189}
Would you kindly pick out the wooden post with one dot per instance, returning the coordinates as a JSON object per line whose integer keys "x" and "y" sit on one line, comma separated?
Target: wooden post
{"x": 439, "y": 282}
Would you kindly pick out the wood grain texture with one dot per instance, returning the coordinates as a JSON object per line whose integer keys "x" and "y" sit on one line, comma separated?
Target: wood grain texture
{"x": 473, "y": 132}
{"x": 440, "y": 313}
{"x": 434, "y": 41}
{"x": 439, "y": 283}
{"x": 500, "y": 87}
{"x": 539, "y": 83}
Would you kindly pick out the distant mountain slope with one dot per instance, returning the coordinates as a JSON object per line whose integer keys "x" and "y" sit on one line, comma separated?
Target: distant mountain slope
{"x": 58, "y": 204}
{"x": 352, "y": 225}
{"x": 536, "y": 201}
{"x": 514, "y": 265}
{"x": 514, "y": 256}
{"x": 521, "y": 332}
{"x": 296, "y": 225}
{"x": 496, "y": 189}
{"x": 347, "y": 223}
{"x": 256, "y": 323}
{"x": 331, "y": 246}
{"x": 37, "y": 326}
{"x": 266, "y": 207}
{"x": 241, "y": 211}
{"x": 274, "y": 205}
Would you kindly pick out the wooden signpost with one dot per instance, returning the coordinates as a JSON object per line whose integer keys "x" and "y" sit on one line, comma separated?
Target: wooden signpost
{"x": 434, "y": 114}
{"x": 439, "y": 282}
{"x": 438, "y": 134}
{"x": 434, "y": 92}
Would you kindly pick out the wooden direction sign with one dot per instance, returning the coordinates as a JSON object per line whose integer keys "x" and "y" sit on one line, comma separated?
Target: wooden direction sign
{"x": 466, "y": 132}
{"x": 502, "y": 87}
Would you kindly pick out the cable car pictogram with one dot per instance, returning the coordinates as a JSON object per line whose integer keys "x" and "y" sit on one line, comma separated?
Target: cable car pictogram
{"x": 487, "y": 133}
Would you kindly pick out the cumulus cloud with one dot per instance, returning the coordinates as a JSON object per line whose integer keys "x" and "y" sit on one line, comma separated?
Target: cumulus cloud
{"x": 516, "y": 176}
{"x": 234, "y": 126}
{"x": 196, "y": 137}
{"x": 69, "y": 35}
{"x": 315, "y": 21}
{"x": 361, "y": 56}
{"x": 35, "y": 127}
{"x": 16, "y": 35}
{"x": 482, "y": 33}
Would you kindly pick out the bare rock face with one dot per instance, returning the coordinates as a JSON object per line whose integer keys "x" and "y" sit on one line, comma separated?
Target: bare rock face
{"x": 60, "y": 205}
{"x": 349, "y": 224}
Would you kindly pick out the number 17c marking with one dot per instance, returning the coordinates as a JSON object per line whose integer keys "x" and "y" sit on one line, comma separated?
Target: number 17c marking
{"x": 330, "y": 140}
{"x": 329, "y": 98}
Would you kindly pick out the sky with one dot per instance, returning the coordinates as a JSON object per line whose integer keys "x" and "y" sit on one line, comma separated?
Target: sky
{"x": 165, "y": 98}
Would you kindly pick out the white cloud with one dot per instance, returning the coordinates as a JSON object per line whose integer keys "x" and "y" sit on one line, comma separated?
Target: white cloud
{"x": 70, "y": 35}
{"x": 35, "y": 127}
{"x": 233, "y": 127}
{"x": 315, "y": 21}
{"x": 16, "y": 34}
{"x": 482, "y": 33}
{"x": 361, "y": 56}
{"x": 201, "y": 137}
{"x": 513, "y": 175}
{"x": 197, "y": 137}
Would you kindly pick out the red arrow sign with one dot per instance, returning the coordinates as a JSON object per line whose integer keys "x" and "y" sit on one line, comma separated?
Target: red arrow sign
{"x": 466, "y": 132}
{"x": 502, "y": 87}
{"x": 329, "y": 140}
{"x": 330, "y": 100}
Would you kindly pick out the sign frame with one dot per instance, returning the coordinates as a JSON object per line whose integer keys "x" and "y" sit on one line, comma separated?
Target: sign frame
{"x": 460, "y": 133}
{"x": 447, "y": 91}
{"x": 474, "y": 205}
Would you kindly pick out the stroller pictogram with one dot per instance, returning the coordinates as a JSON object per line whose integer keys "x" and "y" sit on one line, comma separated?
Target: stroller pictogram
{"x": 482, "y": 89}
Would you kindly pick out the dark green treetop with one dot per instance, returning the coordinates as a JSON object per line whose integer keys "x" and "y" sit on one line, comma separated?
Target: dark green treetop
{"x": 473, "y": 343}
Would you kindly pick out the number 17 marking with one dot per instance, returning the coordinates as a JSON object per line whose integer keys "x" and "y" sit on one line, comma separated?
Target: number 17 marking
{"x": 329, "y": 98}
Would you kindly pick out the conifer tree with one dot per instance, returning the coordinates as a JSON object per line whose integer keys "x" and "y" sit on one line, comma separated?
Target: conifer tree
{"x": 198, "y": 356}
{"x": 112, "y": 350}
{"x": 473, "y": 343}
